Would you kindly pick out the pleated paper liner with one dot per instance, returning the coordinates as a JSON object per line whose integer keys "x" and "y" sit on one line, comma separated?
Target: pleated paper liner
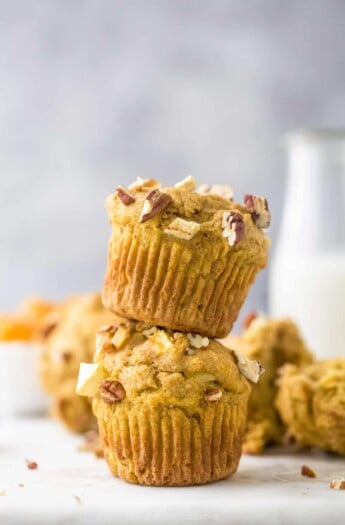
{"x": 175, "y": 285}
{"x": 165, "y": 446}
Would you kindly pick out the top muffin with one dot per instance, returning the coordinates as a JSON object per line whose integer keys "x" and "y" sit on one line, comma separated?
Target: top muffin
{"x": 183, "y": 259}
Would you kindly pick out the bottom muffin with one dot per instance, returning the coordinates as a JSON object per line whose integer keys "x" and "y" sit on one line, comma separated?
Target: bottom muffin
{"x": 171, "y": 408}
{"x": 311, "y": 402}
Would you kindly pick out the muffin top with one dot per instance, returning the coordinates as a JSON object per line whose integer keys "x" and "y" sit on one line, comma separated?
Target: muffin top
{"x": 68, "y": 337}
{"x": 272, "y": 341}
{"x": 167, "y": 367}
{"x": 327, "y": 375}
{"x": 201, "y": 216}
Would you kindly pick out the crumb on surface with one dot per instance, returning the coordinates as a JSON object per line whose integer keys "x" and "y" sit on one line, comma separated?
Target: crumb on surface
{"x": 31, "y": 465}
{"x": 337, "y": 484}
{"x": 77, "y": 498}
{"x": 308, "y": 472}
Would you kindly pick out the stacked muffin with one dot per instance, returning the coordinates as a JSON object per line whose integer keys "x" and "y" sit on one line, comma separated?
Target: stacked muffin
{"x": 171, "y": 402}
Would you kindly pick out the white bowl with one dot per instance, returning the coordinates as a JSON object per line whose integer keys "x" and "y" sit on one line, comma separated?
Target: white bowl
{"x": 20, "y": 389}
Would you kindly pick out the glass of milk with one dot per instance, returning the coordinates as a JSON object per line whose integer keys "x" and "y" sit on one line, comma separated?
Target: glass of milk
{"x": 307, "y": 277}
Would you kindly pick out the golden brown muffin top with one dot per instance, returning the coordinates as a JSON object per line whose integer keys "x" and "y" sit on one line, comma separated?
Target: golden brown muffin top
{"x": 170, "y": 367}
{"x": 272, "y": 341}
{"x": 68, "y": 337}
{"x": 187, "y": 215}
{"x": 325, "y": 375}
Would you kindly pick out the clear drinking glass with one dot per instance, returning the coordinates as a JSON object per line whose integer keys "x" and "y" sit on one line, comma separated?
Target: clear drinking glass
{"x": 307, "y": 278}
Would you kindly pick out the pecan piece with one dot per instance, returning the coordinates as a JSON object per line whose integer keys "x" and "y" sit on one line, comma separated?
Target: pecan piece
{"x": 213, "y": 395}
{"x": 125, "y": 197}
{"x": 258, "y": 208}
{"x": 112, "y": 391}
{"x": 233, "y": 226}
{"x": 308, "y": 472}
{"x": 247, "y": 321}
{"x": 155, "y": 202}
{"x": 32, "y": 465}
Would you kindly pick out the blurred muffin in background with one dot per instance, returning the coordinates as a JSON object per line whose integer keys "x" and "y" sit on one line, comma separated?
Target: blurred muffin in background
{"x": 311, "y": 402}
{"x": 68, "y": 338}
{"x": 273, "y": 342}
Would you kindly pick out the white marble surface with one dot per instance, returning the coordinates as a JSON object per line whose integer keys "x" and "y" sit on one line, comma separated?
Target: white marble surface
{"x": 266, "y": 490}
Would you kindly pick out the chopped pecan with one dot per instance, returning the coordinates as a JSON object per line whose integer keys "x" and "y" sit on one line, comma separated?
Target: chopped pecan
{"x": 155, "y": 202}
{"x": 217, "y": 189}
{"x": 182, "y": 229}
{"x": 187, "y": 184}
{"x": 213, "y": 395}
{"x": 233, "y": 226}
{"x": 112, "y": 391}
{"x": 125, "y": 197}
{"x": 308, "y": 472}
{"x": 249, "y": 319}
{"x": 258, "y": 208}
{"x": 32, "y": 465}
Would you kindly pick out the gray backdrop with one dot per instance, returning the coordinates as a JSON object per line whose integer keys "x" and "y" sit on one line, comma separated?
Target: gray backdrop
{"x": 94, "y": 93}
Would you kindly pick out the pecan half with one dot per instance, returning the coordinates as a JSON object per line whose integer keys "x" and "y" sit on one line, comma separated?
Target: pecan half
{"x": 308, "y": 472}
{"x": 155, "y": 202}
{"x": 112, "y": 391}
{"x": 213, "y": 395}
{"x": 125, "y": 197}
{"x": 233, "y": 226}
{"x": 258, "y": 208}
{"x": 217, "y": 189}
